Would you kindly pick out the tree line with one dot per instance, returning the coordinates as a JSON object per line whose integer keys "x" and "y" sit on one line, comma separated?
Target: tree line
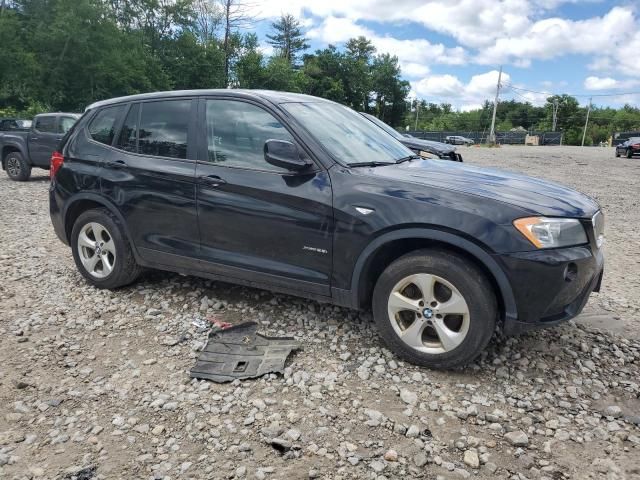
{"x": 65, "y": 54}
{"x": 513, "y": 114}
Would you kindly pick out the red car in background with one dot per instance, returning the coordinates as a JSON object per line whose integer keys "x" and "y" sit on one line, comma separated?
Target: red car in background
{"x": 629, "y": 148}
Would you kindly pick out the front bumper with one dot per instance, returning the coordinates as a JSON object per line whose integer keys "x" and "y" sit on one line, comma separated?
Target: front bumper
{"x": 551, "y": 286}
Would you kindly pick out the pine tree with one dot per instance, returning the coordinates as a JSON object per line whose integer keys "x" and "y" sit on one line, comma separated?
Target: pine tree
{"x": 288, "y": 39}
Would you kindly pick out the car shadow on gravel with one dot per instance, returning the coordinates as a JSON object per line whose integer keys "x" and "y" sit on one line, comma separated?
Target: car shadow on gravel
{"x": 560, "y": 346}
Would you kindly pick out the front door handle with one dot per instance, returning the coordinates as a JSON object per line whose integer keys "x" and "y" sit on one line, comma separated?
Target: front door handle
{"x": 117, "y": 164}
{"x": 211, "y": 180}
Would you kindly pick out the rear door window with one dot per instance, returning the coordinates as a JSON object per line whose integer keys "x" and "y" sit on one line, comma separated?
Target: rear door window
{"x": 128, "y": 140}
{"x": 163, "y": 128}
{"x": 46, "y": 124}
{"x": 102, "y": 127}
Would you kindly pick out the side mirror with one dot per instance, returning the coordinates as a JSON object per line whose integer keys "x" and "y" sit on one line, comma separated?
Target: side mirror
{"x": 285, "y": 155}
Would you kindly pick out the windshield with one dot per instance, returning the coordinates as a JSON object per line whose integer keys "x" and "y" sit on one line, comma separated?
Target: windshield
{"x": 346, "y": 135}
{"x": 382, "y": 125}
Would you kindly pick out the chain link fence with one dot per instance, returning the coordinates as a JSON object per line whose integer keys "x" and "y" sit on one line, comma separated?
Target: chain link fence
{"x": 503, "y": 138}
{"x": 621, "y": 137}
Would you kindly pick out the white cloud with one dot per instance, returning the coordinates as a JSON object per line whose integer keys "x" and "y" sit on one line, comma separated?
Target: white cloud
{"x": 415, "y": 55}
{"x": 485, "y": 83}
{"x": 414, "y": 70}
{"x": 450, "y": 89}
{"x": 608, "y": 83}
{"x": 440, "y": 86}
{"x": 338, "y": 30}
{"x": 534, "y": 98}
{"x": 553, "y": 37}
{"x": 498, "y": 31}
{"x": 482, "y": 32}
{"x": 266, "y": 49}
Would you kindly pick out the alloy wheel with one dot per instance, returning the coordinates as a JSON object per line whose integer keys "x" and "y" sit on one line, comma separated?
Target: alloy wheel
{"x": 13, "y": 166}
{"x": 428, "y": 313}
{"x": 97, "y": 250}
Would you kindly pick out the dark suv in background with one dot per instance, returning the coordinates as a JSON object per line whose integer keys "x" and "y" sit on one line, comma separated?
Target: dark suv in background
{"x": 302, "y": 195}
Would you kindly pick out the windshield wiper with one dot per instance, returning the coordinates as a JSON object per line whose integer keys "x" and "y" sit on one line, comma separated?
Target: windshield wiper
{"x": 370, "y": 164}
{"x": 408, "y": 158}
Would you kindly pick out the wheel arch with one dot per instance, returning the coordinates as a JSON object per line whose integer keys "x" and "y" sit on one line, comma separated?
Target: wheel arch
{"x": 89, "y": 201}
{"x": 10, "y": 148}
{"x": 388, "y": 247}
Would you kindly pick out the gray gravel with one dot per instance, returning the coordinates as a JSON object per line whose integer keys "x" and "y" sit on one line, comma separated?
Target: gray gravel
{"x": 95, "y": 383}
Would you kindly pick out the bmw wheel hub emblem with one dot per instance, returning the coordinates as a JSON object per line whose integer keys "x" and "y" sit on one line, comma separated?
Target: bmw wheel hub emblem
{"x": 427, "y": 312}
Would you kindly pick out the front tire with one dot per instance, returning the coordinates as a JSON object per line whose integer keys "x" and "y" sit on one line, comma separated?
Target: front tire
{"x": 101, "y": 250}
{"x": 435, "y": 309}
{"x": 629, "y": 153}
{"x": 17, "y": 167}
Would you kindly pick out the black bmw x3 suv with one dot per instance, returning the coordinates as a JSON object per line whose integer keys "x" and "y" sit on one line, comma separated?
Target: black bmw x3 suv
{"x": 304, "y": 196}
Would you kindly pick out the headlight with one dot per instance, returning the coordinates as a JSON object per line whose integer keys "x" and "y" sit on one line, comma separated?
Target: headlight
{"x": 546, "y": 232}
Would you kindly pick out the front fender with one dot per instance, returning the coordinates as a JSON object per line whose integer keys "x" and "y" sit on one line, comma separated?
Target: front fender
{"x": 472, "y": 249}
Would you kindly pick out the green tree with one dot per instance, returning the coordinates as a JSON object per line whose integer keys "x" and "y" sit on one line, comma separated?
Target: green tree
{"x": 323, "y": 74}
{"x": 287, "y": 38}
{"x": 279, "y": 75}
{"x": 357, "y": 77}
{"x": 250, "y": 71}
{"x": 390, "y": 91}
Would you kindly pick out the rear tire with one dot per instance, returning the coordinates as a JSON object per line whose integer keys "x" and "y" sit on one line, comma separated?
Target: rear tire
{"x": 102, "y": 251}
{"x": 440, "y": 339}
{"x": 617, "y": 153}
{"x": 17, "y": 167}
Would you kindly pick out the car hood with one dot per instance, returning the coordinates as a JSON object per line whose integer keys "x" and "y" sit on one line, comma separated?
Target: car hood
{"x": 532, "y": 194}
{"x": 428, "y": 145}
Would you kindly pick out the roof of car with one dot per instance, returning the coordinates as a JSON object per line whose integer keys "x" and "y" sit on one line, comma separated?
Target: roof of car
{"x": 270, "y": 95}
{"x": 56, "y": 114}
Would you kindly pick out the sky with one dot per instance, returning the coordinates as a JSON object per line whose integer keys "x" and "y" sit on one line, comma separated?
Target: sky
{"x": 450, "y": 50}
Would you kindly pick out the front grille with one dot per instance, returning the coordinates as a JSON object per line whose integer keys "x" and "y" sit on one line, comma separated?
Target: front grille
{"x": 598, "y": 228}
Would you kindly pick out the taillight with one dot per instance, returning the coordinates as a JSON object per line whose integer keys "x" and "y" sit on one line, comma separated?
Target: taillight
{"x": 56, "y": 162}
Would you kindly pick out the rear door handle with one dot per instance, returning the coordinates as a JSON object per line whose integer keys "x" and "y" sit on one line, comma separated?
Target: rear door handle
{"x": 117, "y": 164}
{"x": 211, "y": 180}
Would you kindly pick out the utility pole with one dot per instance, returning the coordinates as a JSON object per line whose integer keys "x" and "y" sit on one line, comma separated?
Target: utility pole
{"x": 492, "y": 133}
{"x": 584, "y": 132}
{"x": 417, "y": 108}
{"x": 555, "y": 113}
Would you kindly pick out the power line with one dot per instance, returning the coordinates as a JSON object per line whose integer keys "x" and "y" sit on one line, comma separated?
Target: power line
{"x": 572, "y": 94}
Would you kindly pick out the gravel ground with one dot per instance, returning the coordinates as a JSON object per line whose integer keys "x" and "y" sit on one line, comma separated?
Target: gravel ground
{"x": 94, "y": 384}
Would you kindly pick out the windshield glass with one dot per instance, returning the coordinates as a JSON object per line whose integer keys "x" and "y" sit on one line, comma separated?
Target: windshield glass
{"x": 383, "y": 125}
{"x": 345, "y": 134}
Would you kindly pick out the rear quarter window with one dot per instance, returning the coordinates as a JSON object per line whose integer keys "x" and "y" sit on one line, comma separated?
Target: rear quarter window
{"x": 103, "y": 126}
